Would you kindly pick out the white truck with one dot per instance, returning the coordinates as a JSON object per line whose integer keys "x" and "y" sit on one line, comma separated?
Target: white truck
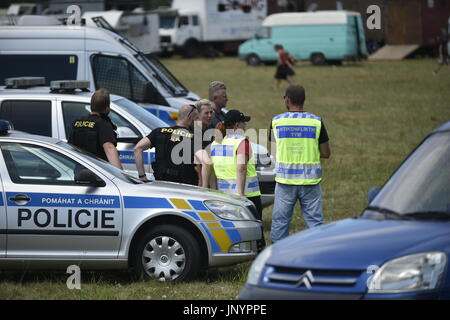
{"x": 191, "y": 27}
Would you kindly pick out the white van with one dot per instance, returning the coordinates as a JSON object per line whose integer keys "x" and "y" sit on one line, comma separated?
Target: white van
{"x": 104, "y": 58}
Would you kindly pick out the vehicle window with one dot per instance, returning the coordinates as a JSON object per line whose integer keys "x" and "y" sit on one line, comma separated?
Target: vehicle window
{"x": 166, "y": 21}
{"x": 150, "y": 120}
{"x": 195, "y": 20}
{"x": 422, "y": 183}
{"x": 120, "y": 121}
{"x": 183, "y": 21}
{"x": 263, "y": 33}
{"x": 73, "y": 111}
{"x": 119, "y": 76}
{"x": 52, "y": 67}
{"x": 28, "y": 115}
{"x": 30, "y": 164}
{"x": 102, "y": 164}
{"x": 112, "y": 73}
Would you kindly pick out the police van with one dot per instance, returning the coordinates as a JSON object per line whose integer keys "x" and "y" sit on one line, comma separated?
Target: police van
{"x": 100, "y": 56}
{"x": 51, "y": 111}
{"x": 60, "y": 206}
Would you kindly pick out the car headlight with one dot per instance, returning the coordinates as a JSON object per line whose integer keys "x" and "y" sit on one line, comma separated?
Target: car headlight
{"x": 258, "y": 266}
{"x": 415, "y": 272}
{"x": 228, "y": 211}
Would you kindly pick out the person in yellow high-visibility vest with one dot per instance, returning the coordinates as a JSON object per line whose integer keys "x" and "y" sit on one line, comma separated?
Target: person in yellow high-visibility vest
{"x": 300, "y": 141}
{"x": 234, "y": 162}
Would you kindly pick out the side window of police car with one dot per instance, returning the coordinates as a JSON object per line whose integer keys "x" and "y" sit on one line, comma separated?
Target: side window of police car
{"x": 73, "y": 111}
{"x": 38, "y": 118}
{"x": 119, "y": 76}
{"x": 32, "y": 164}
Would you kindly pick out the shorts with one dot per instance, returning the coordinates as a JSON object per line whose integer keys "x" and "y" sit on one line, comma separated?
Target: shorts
{"x": 283, "y": 71}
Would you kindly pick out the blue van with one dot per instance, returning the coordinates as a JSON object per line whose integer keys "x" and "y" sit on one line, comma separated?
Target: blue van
{"x": 321, "y": 37}
{"x": 398, "y": 248}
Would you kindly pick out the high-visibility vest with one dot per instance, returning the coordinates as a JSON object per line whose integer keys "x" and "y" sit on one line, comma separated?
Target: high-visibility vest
{"x": 224, "y": 157}
{"x": 298, "y": 155}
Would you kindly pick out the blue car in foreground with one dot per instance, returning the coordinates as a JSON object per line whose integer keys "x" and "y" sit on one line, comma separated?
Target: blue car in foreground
{"x": 398, "y": 248}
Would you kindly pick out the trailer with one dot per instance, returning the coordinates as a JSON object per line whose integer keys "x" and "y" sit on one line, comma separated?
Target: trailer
{"x": 141, "y": 28}
{"x": 193, "y": 26}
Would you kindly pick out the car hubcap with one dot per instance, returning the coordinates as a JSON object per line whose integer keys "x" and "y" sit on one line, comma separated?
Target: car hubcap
{"x": 163, "y": 258}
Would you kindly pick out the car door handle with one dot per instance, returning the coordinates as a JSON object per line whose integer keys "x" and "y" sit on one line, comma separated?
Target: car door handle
{"x": 22, "y": 198}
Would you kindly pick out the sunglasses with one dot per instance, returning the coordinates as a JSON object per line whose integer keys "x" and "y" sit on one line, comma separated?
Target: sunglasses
{"x": 193, "y": 108}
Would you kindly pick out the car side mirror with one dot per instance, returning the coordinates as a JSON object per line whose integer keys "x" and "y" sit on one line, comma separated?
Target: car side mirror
{"x": 127, "y": 135}
{"x": 221, "y": 7}
{"x": 372, "y": 194}
{"x": 86, "y": 177}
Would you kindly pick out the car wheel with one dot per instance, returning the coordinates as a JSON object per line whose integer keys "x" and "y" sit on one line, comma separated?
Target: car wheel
{"x": 318, "y": 59}
{"x": 167, "y": 253}
{"x": 253, "y": 60}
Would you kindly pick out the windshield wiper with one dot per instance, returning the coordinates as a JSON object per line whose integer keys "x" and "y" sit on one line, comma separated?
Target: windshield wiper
{"x": 387, "y": 212}
{"x": 429, "y": 215}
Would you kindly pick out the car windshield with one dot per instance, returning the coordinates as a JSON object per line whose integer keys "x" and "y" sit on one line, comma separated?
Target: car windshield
{"x": 167, "y": 21}
{"x": 157, "y": 70}
{"x": 122, "y": 175}
{"x": 150, "y": 120}
{"x": 155, "y": 67}
{"x": 420, "y": 188}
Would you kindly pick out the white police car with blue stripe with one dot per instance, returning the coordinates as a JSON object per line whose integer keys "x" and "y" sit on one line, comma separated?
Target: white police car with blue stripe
{"x": 60, "y": 206}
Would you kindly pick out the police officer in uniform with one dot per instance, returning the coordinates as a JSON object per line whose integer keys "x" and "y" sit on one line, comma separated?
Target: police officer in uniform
{"x": 175, "y": 151}
{"x": 96, "y": 133}
{"x": 301, "y": 141}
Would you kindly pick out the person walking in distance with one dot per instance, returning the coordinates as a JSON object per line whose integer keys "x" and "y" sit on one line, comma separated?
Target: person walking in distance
{"x": 300, "y": 140}
{"x": 285, "y": 69}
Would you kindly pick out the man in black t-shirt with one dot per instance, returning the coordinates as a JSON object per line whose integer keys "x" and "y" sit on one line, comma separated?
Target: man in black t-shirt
{"x": 96, "y": 133}
{"x": 175, "y": 150}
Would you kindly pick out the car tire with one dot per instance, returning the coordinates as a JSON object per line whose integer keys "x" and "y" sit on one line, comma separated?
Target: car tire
{"x": 318, "y": 59}
{"x": 167, "y": 253}
{"x": 253, "y": 60}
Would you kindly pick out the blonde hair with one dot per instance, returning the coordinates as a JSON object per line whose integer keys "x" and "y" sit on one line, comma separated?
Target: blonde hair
{"x": 202, "y": 102}
{"x": 214, "y": 87}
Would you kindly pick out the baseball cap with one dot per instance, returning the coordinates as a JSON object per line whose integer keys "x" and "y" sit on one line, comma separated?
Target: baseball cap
{"x": 235, "y": 116}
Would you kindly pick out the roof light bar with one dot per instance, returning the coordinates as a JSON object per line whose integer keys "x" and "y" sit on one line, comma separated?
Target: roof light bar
{"x": 24, "y": 82}
{"x": 69, "y": 85}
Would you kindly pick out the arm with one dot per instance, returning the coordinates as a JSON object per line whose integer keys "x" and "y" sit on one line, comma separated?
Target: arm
{"x": 142, "y": 145}
{"x": 325, "y": 151}
{"x": 241, "y": 173}
{"x": 112, "y": 154}
{"x": 205, "y": 170}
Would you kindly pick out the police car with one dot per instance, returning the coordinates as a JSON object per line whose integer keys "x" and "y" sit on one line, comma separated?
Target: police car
{"x": 60, "y": 206}
{"x": 51, "y": 111}
{"x": 398, "y": 248}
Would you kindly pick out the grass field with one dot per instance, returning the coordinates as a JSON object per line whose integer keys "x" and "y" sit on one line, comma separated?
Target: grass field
{"x": 375, "y": 113}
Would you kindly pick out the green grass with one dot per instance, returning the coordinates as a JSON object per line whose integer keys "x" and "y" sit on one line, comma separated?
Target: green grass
{"x": 375, "y": 114}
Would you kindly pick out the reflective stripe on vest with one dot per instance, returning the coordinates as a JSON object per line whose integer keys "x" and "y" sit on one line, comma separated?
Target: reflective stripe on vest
{"x": 230, "y": 185}
{"x": 224, "y": 157}
{"x": 298, "y": 155}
